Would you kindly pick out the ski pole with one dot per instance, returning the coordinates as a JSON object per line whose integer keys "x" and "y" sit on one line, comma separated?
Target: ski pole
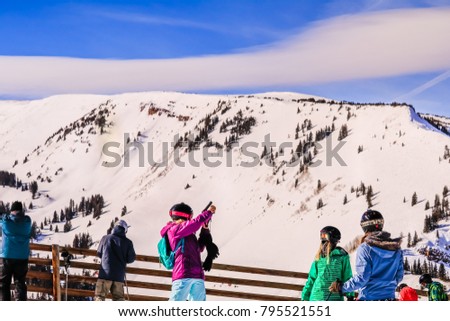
{"x": 207, "y": 206}
{"x": 67, "y": 279}
{"x": 329, "y": 294}
{"x": 126, "y": 285}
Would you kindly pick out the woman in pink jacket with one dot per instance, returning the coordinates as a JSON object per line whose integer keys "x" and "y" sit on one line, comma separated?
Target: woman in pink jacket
{"x": 188, "y": 278}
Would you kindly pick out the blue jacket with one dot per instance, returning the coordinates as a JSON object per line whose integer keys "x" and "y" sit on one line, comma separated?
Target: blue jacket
{"x": 379, "y": 268}
{"x": 16, "y": 230}
{"x": 115, "y": 250}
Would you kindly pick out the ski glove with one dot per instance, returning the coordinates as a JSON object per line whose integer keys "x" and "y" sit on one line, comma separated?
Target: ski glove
{"x": 205, "y": 239}
{"x": 336, "y": 287}
{"x": 213, "y": 253}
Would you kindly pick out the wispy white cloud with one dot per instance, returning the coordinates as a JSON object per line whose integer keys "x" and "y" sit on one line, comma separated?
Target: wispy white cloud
{"x": 154, "y": 20}
{"x": 379, "y": 44}
{"x": 166, "y": 21}
{"x": 431, "y": 83}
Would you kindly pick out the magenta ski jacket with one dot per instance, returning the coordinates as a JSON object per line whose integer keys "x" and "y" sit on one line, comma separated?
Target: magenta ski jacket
{"x": 188, "y": 262}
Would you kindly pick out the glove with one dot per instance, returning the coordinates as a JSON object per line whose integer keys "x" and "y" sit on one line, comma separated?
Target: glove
{"x": 213, "y": 253}
{"x": 205, "y": 237}
{"x": 336, "y": 287}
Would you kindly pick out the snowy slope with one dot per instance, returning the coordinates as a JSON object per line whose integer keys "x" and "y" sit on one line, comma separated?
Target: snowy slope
{"x": 260, "y": 210}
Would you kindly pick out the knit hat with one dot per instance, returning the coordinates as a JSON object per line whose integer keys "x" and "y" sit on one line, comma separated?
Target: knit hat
{"x": 372, "y": 221}
{"x": 16, "y": 207}
{"x": 123, "y": 224}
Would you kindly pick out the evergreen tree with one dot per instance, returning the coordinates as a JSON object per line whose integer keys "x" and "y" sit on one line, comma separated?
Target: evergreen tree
{"x": 362, "y": 188}
{"x": 406, "y": 266}
{"x": 415, "y": 238}
{"x": 442, "y": 273}
{"x": 34, "y": 230}
{"x": 124, "y": 211}
{"x": 33, "y": 188}
{"x": 437, "y": 201}
{"x": 67, "y": 227}
{"x": 419, "y": 268}
{"x": 414, "y": 199}
{"x": 100, "y": 121}
{"x": 345, "y": 199}
{"x": 409, "y": 240}
{"x": 343, "y": 132}
{"x": 369, "y": 196}
{"x": 76, "y": 241}
{"x": 319, "y": 203}
{"x": 433, "y": 267}
{"x": 319, "y": 185}
{"x": 56, "y": 229}
{"x": 55, "y": 217}
{"x": 427, "y": 205}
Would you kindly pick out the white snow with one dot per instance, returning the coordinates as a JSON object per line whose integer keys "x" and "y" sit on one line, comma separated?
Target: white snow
{"x": 401, "y": 156}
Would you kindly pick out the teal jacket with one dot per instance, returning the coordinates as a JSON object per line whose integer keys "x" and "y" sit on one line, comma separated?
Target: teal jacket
{"x": 323, "y": 273}
{"x": 16, "y": 233}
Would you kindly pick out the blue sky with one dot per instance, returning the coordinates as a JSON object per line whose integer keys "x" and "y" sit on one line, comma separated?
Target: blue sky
{"x": 368, "y": 50}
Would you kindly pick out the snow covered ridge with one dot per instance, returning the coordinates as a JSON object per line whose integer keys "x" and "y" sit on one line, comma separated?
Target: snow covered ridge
{"x": 439, "y": 122}
{"x": 292, "y": 190}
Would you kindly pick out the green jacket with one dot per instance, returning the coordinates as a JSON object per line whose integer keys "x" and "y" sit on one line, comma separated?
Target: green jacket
{"x": 322, "y": 274}
{"x": 436, "y": 292}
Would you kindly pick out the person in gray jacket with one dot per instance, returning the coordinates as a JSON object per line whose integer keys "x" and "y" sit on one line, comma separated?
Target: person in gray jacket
{"x": 115, "y": 251}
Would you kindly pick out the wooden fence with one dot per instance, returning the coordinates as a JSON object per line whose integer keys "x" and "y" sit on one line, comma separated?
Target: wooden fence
{"x": 47, "y": 275}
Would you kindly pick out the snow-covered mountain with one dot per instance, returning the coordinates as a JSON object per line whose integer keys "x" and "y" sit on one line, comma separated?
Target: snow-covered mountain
{"x": 268, "y": 199}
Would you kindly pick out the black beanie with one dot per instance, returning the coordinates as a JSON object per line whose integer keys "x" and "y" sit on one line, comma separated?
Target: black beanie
{"x": 16, "y": 206}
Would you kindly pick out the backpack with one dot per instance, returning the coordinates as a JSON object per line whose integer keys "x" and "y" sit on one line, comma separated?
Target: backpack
{"x": 438, "y": 288}
{"x": 166, "y": 255}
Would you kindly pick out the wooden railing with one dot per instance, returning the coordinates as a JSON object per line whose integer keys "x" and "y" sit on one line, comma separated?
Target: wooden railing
{"x": 47, "y": 275}
{"x": 240, "y": 282}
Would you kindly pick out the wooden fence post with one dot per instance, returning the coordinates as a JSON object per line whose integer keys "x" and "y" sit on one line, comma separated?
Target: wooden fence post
{"x": 56, "y": 276}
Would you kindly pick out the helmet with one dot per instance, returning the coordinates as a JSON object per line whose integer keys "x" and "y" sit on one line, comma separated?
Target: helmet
{"x": 330, "y": 233}
{"x": 372, "y": 221}
{"x": 123, "y": 224}
{"x": 181, "y": 211}
{"x": 425, "y": 278}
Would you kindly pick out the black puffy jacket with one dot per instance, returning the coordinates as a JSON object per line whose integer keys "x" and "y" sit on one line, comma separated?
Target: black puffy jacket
{"x": 115, "y": 250}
